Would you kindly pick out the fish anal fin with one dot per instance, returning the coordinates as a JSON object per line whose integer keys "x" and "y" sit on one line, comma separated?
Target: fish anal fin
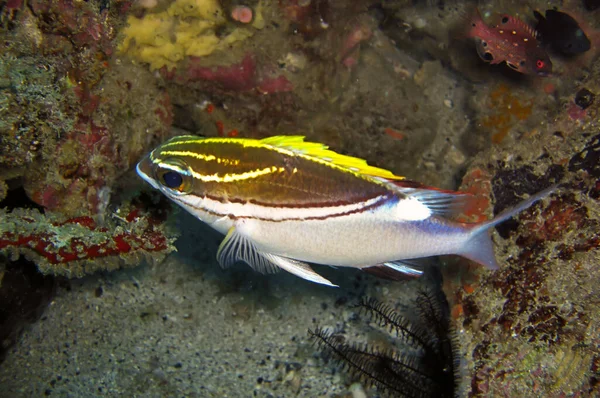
{"x": 484, "y": 52}
{"x": 298, "y": 268}
{"x": 236, "y": 247}
{"x": 398, "y": 270}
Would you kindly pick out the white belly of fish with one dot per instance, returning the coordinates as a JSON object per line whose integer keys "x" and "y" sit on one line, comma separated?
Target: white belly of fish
{"x": 354, "y": 240}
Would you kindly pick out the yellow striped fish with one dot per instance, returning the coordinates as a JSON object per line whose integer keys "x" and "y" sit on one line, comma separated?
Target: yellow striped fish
{"x": 283, "y": 203}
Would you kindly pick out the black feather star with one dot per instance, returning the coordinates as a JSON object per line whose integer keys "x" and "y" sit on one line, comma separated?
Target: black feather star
{"x": 425, "y": 360}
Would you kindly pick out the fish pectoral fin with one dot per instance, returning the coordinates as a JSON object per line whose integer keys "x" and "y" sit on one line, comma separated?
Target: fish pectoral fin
{"x": 398, "y": 270}
{"x": 236, "y": 247}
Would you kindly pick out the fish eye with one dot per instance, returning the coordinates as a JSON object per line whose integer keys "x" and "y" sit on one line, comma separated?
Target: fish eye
{"x": 504, "y": 19}
{"x": 539, "y": 64}
{"x": 175, "y": 175}
{"x": 172, "y": 179}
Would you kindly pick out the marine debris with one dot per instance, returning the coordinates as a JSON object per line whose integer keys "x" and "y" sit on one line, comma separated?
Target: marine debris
{"x": 423, "y": 360}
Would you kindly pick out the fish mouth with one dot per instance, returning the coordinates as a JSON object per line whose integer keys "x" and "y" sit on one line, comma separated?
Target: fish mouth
{"x": 144, "y": 169}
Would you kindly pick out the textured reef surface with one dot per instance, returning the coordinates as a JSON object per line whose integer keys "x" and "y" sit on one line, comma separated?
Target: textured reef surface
{"x": 532, "y": 327}
{"x": 95, "y": 301}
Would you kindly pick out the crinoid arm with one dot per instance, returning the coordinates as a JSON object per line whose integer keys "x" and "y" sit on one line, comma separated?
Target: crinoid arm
{"x": 392, "y": 372}
{"x": 423, "y": 361}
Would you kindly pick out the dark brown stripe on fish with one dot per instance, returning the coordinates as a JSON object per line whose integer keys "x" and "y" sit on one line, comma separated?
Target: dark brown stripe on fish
{"x": 296, "y": 181}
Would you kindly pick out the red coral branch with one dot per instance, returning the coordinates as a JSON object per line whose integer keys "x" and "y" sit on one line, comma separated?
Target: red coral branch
{"x": 62, "y": 243}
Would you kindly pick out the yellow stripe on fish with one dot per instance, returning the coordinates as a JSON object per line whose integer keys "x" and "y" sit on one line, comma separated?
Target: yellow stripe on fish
{"x": 283, "y": 202}
{"x": 288, "y": 145}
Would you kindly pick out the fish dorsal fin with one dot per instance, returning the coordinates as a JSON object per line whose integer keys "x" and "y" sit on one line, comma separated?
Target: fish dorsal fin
{"x": 439, "y": 201}
{"x": 322, "y": 153}
{"x": 514, "y": 23}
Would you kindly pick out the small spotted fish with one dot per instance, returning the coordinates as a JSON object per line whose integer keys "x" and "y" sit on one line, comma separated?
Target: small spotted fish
{"x": 511, "y": 41}
{"x": 283, "y": 203}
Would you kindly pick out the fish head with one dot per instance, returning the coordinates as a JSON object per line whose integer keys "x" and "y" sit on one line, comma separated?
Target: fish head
{"x": 172, "y": 175}
{"x": 538, "y": 62}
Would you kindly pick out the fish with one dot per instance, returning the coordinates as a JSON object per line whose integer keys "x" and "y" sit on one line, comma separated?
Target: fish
{"x": 285, "y": 203}
{"x": 562, "y": 32}
{"x": 511, "y": 41}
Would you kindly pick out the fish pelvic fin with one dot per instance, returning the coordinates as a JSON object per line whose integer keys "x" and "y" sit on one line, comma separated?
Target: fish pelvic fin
{"x": 237, "y": 247}
{"x": 479, "y": 247}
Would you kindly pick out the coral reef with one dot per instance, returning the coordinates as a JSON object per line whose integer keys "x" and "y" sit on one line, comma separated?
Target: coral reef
{"x": 67, "y": 141}
{"x": 532, "y": 327}
{"x": 73, "y": 247}
{"x": 509, "y": 109}
{"x": 88, "y": 87}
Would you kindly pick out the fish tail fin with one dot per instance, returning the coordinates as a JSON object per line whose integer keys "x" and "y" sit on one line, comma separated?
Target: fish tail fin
{"x": 479, "y": 247}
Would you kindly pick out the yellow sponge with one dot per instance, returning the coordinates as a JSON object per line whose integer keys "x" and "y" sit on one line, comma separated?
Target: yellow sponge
{"x": 186, "y": 28}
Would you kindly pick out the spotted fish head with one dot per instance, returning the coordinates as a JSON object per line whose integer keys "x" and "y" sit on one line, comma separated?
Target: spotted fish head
{"x": 536, "y": 63}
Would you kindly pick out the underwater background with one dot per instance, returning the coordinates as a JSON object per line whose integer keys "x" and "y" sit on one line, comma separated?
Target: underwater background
{"x": 107, "y": 289}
